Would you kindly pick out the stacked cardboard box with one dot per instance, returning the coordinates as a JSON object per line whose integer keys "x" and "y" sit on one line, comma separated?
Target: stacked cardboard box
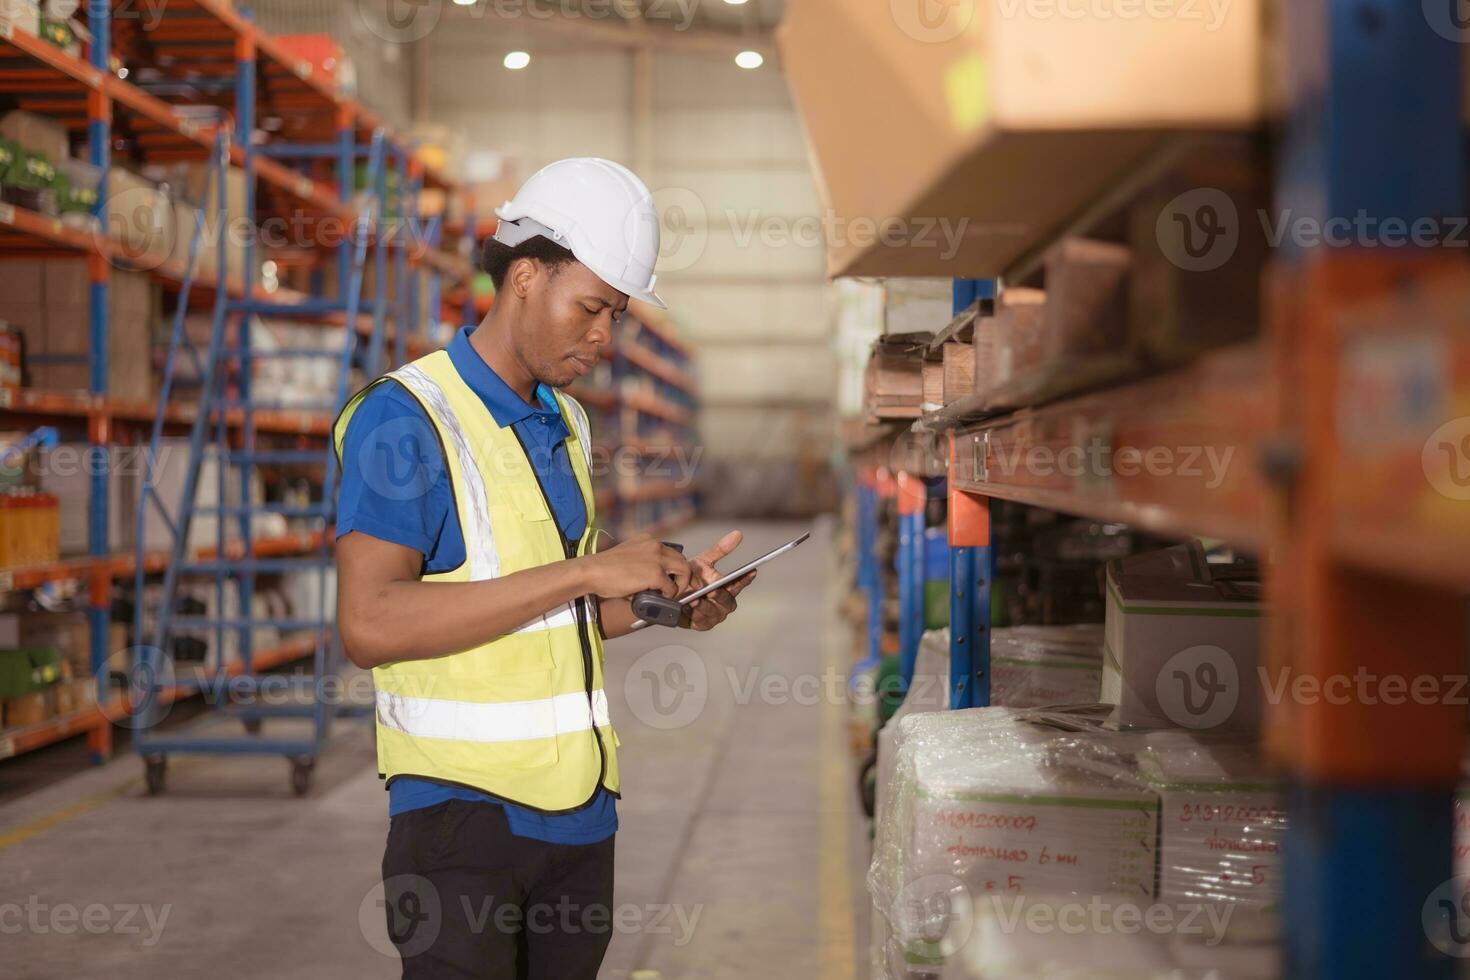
{"x": 1044, "y": 665}
{"x": 30, "y": 525}
{"x": 893, "y": 384}
{"x": 66, "y": 473}
{"x": 988, "y": 802}
{"x": 959, "y": 370}
{"x": 1183, "y": 642}
{"x": 1222, "y": 820}
{"x": 49, "y": 301}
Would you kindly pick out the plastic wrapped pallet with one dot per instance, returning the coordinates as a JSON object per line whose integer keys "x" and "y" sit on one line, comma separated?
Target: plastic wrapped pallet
{"x": 1032, "y": 666}
{"x": 1109, "y": 937}
{"x": 985, "y": 801}
{"x": 1222, "y": 820}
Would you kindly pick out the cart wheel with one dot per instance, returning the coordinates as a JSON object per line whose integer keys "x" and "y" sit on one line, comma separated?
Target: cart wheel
{"x": 252, "y": 726}
{"x": 156, "y": 767}
{"x": 301, "y": 775}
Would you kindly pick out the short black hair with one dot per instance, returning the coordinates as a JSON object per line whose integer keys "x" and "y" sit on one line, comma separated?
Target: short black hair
{"x": 496, "y": 257}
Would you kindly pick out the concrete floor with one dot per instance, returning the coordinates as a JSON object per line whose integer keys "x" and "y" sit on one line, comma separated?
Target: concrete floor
{"x": 741, "y": 854}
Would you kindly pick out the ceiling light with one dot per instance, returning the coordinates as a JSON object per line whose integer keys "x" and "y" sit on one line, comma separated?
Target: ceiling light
{"x": 464, "y": 3}
{"x": 735, "y": 3}
{"x": 749, "y": 59}
{"x": 516, "y": 60}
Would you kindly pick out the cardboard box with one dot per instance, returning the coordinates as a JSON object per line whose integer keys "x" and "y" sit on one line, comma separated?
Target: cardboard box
{"x": 893, "y": 382}
{"x": 36, "y": 134}
{"x": 63, "y": 330}
{"x": 1008, "y": 344}
{"x": 1032, "y": 666}
{"x": 65, "y": 472}
{"x": 986, "y": 799}
{"x": 1023, "y": 117}
{"x": 29, "y": 709}
{"x": 21, "y": 15}
{"x": 1183, "y": 643}
{"x": 1222, "y": 821}
{"x": 193, "y": 184}
{"x": 959, "y": 370}
{"x": 139, "y": 217}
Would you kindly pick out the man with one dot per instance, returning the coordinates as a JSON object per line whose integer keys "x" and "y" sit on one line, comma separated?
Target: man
{"x": 470, "y": 582}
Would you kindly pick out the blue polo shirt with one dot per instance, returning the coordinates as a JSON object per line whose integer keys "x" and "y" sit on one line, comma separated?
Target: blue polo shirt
{"x": 395, "y": 487}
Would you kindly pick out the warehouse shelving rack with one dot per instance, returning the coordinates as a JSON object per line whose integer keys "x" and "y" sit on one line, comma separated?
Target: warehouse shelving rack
{"x": 1333, "y": 418}
{"x": 89, "y": 94}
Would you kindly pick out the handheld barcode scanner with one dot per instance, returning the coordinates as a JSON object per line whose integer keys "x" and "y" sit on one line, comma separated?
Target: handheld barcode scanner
{"x": 655, "y": 608}
{"x": 652, "y": 608}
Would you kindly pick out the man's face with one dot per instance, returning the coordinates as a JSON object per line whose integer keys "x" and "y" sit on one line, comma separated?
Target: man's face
{"x": 570, "y": 316}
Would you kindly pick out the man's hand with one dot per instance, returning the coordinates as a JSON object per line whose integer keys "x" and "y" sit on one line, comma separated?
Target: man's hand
{"x": 708, "y": 611}
{"x": 638, "y": 564}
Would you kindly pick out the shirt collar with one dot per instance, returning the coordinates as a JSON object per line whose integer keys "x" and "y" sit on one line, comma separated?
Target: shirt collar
{"x": 506, "y": 407}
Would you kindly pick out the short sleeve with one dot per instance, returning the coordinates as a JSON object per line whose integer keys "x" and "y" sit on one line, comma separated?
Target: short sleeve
{"x": 394, "y": 485}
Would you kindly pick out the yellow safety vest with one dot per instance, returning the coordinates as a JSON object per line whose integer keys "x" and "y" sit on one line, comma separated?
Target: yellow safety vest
{"x": 523, "y": 717}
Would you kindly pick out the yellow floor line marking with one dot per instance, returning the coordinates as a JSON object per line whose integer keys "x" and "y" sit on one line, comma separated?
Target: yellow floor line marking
{"x": 28, "y": 830}
{"x": 835, "y": 912}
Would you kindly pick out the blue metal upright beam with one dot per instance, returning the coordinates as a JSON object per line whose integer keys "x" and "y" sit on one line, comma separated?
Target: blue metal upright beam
{"x": 971, "y": 569}
{"x": 99, "y": 154}
{"x": 910, "y": 568}
{"x": 1373, "y": 132}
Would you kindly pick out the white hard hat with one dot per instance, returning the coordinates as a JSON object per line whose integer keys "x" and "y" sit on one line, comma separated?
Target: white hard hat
{"x": 598, "y": 209}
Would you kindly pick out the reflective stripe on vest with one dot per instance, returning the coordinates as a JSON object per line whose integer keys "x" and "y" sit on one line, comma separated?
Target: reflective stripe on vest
{"x": 512, "y": 721}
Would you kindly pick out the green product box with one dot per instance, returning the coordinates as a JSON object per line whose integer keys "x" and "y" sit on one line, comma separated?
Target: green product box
{"x": 24, "y": 671}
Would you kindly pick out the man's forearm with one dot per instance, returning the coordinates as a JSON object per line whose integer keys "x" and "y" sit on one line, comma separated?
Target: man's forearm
{"x": 412, "y": 620}
{"x": 616, "y": 617}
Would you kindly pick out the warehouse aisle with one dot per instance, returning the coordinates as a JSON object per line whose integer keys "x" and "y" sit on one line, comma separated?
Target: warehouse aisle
{"x": 741, "y": 852}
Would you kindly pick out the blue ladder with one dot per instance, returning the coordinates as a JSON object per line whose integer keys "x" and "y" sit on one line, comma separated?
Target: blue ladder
{"x": 241, "y": 688}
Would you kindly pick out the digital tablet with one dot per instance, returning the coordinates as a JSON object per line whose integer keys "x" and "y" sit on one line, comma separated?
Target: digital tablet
{"x": 745, "y": 569}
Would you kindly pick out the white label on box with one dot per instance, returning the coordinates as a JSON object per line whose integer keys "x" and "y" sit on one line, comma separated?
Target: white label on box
{"x": 7, "y": 214}
{"x": 303, "y": 69}
{"x": 303, "y": 187}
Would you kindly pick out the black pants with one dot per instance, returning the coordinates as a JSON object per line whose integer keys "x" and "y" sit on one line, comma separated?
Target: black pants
{"x": 467, "y": 898}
